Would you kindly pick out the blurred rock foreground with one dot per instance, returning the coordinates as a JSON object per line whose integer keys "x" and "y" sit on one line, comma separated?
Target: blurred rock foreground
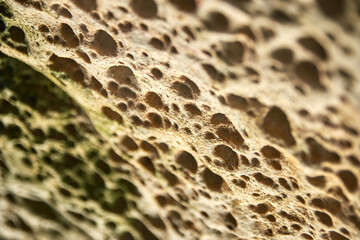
{"x": 179, "y": 119}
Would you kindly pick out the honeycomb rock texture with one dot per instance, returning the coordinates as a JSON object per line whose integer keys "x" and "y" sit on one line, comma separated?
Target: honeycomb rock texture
{"x": 179, "y": 119}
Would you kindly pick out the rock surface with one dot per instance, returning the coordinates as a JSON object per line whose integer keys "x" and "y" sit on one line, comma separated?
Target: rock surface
{"x": 179, "y": 119}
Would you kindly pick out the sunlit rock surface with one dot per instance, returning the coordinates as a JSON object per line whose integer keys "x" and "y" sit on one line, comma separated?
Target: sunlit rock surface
{"x": 179, "y": 119}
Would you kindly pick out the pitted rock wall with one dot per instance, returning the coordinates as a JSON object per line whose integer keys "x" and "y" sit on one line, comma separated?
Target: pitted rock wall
{"x": 169, "y": 119}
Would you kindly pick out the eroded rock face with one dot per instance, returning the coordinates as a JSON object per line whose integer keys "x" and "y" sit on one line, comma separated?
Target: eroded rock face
{"x": 167, "y": 119}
